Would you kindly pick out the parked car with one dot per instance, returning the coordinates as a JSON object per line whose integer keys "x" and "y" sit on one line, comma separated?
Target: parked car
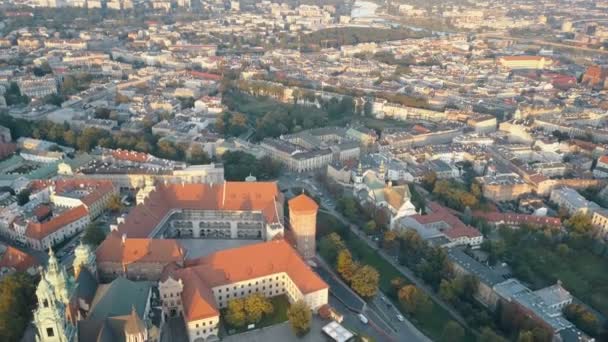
{"x": 363, "y": 319}
{"x": 400, "y": 318}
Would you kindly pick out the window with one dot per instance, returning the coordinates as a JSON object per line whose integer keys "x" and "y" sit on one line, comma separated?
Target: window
{"x": 197, "y": 325}
{"x": 50, "y": 332}
{"x": 45, "y": 303}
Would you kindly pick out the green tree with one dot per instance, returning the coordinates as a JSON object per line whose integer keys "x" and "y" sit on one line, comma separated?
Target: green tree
{"x": 198, "y": 155}
{"x": 330, "y": 246}
{"x": 370, "y": 227}
{"x": 414, "y": 301}
{"x": 488, "y": 335}
{"x": 582, "y": 318}
{"x": 365, "y": 281}
{"x": 525, "y": 336}
{"x": 93, "y": 235}
{"x": 23, "y": 196}
{"x": 17, "y": 300}
{"x": 300, "y": 317}
{"x": 452, "y": 332}
{"x": 345, "y": 265}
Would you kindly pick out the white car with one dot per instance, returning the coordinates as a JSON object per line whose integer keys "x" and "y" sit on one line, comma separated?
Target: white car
{"x": 363, "y": 319}
{"x": 400, "y": 318}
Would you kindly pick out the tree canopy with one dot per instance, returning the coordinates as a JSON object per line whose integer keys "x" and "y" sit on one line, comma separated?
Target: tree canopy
{"x": 17, "y": 300}
{"x": 300, "y": 317}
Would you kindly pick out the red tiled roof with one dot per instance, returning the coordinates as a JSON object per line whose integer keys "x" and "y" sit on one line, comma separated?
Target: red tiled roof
{"x": 134, "y": 156}
{"x": 248, "y": 196}
{"x": 440, "y": 213}
{"x": 17, "y": 259}
{"x": 38, "y": 231}
{"x": 603, "y": 160}
{"x": 512, "y": 218}
{"x": 238, "y": 264}
{"x": 112, "y": 249}
{"x": 303, "y": 203}
{"x": 205, "y": 75}
{"x": 96, "y": 188}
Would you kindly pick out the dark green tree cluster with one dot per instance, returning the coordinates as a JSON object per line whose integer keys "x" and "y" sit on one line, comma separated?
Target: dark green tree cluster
{"x": 231, "y": 124}
{"x": 93, "y": 235}
{"x": 238, "y": 165}
{"x": 582, "y": 318}
{"x": 336, "y": 37}
{"x": 17, "y": 300}
{"x": 13, "y": 95}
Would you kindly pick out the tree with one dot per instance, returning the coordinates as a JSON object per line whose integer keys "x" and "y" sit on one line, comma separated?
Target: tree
{"x": 467, "y": 215}
{"x": 414, "y": 301}
{"x": 235, "y": 314}
{"x": 23, "y": 196}
{"x": 330, "y": 246}
{"x": 345, "y": 265}
{"x": 256, "y": 305}
{"x": 582, "y": 318}
{"x": 115, "y": 204}
{"x": 17, "y": 300}
{"x": 186, "y": 102}
{"x": 300, "y": 317}
{"x": 370, "y": 227}
{"x": 579, "y": 223}
{"x": 93, "y": 235}
{"x": 53, "y": 99}
{"x": 488, "y": 335}
{"x": 525, "y": 336}
{"x": 198, "y": 155}
{"x": 365, "y": 281}
{"x": 452, "y": 332}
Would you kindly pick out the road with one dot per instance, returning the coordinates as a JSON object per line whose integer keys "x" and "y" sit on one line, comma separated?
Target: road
{"x": 383, "y": 323}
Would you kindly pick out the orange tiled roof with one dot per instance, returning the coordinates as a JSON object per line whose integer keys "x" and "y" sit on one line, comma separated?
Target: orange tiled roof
{"x": 112, "y": 249}
{"x": 38, "y": 231}
{"x": 247, "y": 196}
{"x": 238, "y": 264}
{"x": 134, "y": 156}
{"x": 303, "y": 203}
{"x": 15, "y": 258}
{"x": 440, "y": 213}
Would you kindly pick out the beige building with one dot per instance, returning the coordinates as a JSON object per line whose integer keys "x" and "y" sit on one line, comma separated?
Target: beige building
{"x": 198, "y": 291}
{"x": 303, "y": 223}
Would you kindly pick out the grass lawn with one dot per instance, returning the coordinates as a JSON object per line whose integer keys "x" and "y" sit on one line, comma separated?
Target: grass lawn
{"x": 280, "y": 305}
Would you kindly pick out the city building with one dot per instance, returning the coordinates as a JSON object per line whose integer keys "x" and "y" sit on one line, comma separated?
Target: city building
{"x": 228, "y": 210}
{"x": 136, "y": 258}
{"x": 203, "y": 286}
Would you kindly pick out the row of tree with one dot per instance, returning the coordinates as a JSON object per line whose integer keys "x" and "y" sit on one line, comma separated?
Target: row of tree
{"x": 363, "y": 279}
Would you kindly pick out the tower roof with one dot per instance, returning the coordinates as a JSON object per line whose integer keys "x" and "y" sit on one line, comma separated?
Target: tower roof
{"x": 303, "y": 203}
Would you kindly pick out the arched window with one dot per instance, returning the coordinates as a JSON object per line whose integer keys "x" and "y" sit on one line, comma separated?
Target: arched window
{"x": 45, "y": 303}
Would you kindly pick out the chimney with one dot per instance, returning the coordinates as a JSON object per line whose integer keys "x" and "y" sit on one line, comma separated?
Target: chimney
{"x": 124, "y": 239}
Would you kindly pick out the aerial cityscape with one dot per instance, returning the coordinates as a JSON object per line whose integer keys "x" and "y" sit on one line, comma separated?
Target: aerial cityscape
{"x": 304, "y": 170}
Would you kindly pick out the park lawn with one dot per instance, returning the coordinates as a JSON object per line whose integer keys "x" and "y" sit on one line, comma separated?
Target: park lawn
{"x": 280, "y": 305}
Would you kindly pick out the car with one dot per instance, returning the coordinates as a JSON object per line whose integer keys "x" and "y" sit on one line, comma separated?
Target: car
{"x": 363, "y": 319}
{"x": 400, "y": 318}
